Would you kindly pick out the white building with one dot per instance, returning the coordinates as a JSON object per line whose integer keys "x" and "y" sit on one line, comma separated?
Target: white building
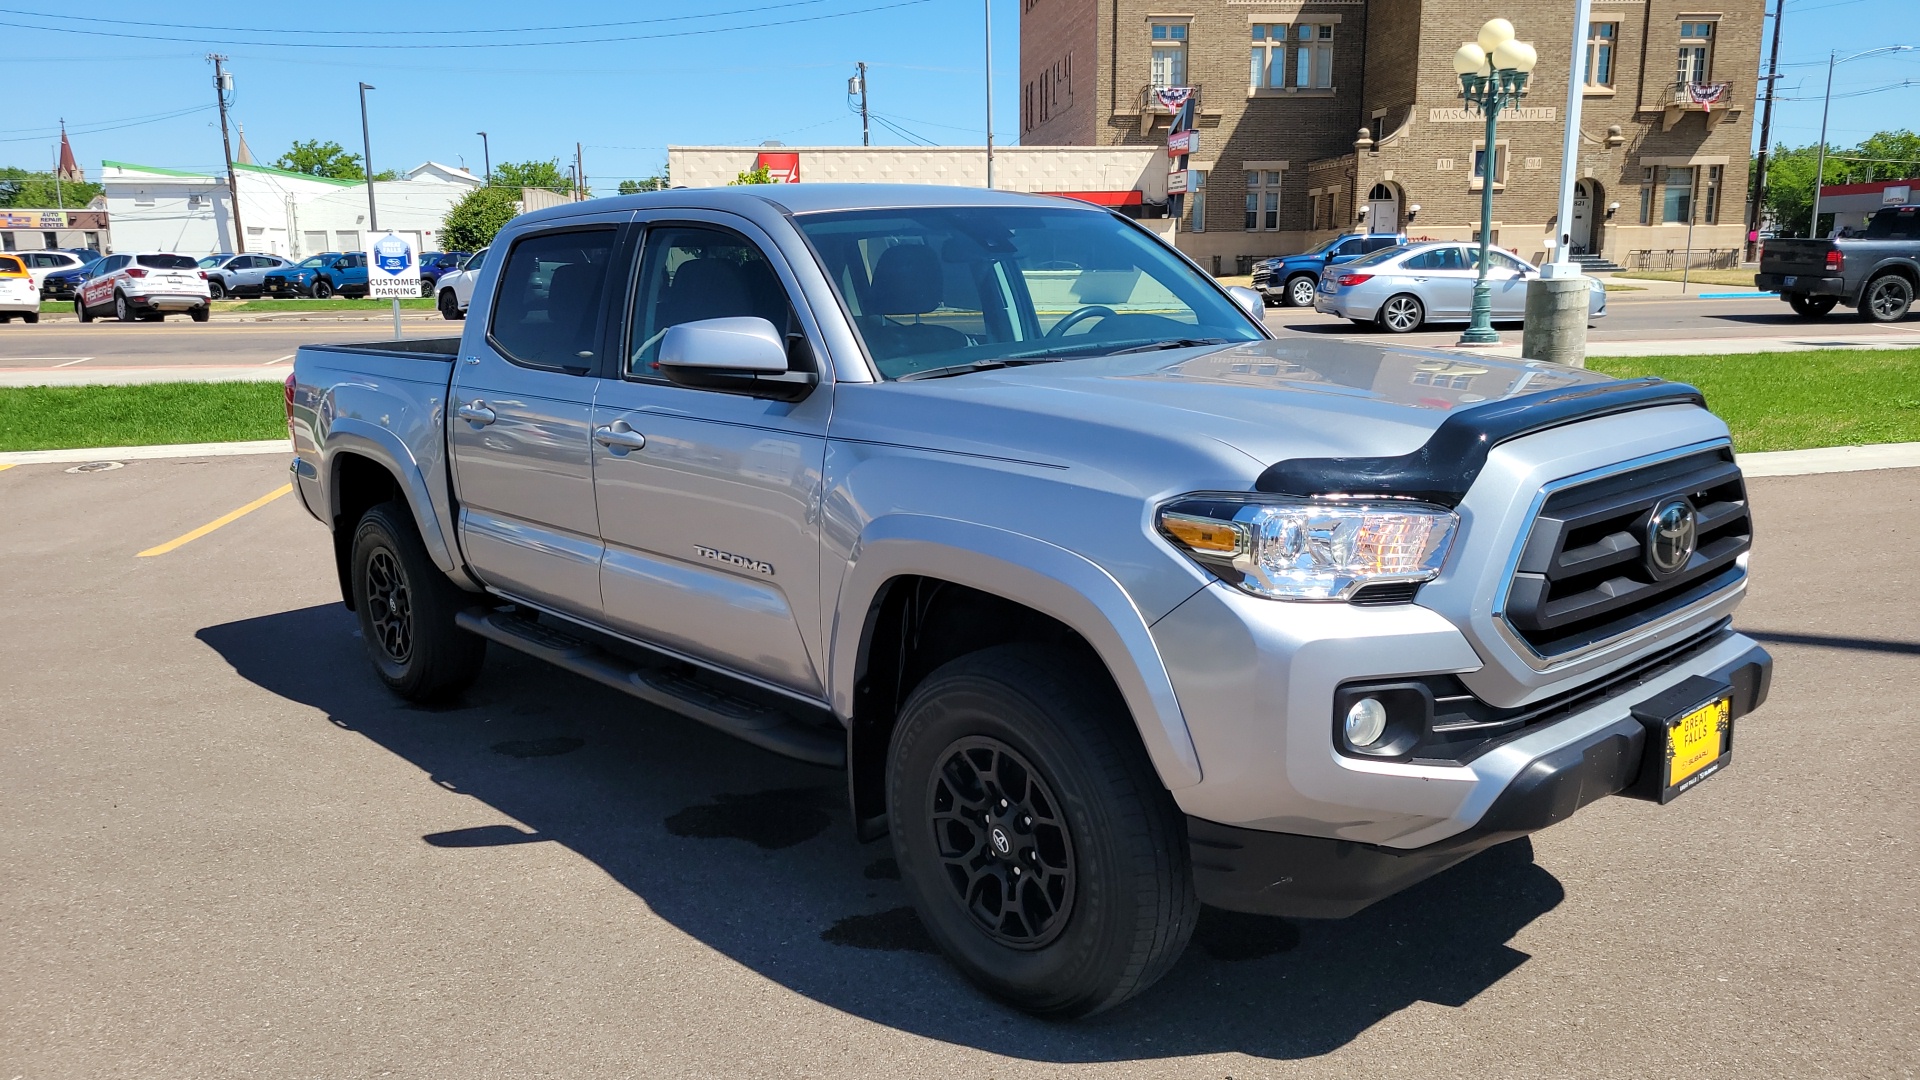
{"x": 285, "y": 213}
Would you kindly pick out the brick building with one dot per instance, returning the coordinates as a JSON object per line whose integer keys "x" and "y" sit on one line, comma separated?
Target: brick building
{"x": 1322, "y": 116}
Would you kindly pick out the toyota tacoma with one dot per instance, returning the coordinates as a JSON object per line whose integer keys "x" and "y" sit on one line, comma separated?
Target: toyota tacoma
{"x": 1108, "y": 603}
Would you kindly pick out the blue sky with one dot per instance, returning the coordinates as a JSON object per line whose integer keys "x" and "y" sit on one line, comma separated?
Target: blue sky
{"x": 128, "y": 77}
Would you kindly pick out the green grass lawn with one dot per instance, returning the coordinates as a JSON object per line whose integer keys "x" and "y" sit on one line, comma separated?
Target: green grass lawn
{"x": 417, "y": 303}
{"x": 1792, "y": 401}
{"x": 59, "y": 417}
{"x": 1698, "y": 277}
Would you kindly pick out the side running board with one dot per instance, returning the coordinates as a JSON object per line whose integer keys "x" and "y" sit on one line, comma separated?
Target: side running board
{"x": 769, "y": 729}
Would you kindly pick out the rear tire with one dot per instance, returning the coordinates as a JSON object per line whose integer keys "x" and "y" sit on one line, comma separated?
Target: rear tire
{"x": 1300, "y": 289}
{"x": 201, "y": 313}
{"x": 1887, "y": 299}
{"x": 450, "y": 306}
{"x": 406, "y": 608}
{"x": 1810, "y": 307}
{"x": 1072, "y": 889}
{"x": 216, "y": 289}
{"x": 1403, "y": 313}
{"x": 121, "y": 309}
{"x": 30, "y": 317}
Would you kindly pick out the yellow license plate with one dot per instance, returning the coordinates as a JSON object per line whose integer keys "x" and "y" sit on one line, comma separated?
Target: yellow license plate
{"x": 1698, "y": 740}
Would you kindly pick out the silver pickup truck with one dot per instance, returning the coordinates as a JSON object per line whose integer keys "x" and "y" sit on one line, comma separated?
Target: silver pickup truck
{"x": 1108, "y": 603}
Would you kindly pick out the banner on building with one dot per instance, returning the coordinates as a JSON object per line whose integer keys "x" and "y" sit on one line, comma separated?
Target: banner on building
{"x": 1172, "y": 97}
{"x": 784, "y": 168}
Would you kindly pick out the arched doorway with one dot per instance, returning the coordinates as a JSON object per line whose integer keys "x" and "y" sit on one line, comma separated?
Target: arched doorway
{"x": 1584, "y": 230}
{"x": 1383, "y": 209}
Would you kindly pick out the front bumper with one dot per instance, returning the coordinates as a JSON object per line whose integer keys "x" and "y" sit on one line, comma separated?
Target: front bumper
{"x": 1275, "y": 873}
{"x": 1803, "y": 285}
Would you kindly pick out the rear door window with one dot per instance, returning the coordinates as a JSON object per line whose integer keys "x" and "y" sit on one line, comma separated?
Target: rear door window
{"x": 547, "y": 304}
{"x": 1895, "y": 223}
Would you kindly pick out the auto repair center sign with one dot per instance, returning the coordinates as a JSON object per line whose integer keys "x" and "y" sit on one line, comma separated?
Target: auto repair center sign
{"x": 393, "y": 269}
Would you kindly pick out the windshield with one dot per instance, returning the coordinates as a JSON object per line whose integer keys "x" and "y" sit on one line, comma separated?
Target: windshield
{"x": 316, "y": 262}
{"x": 165, "y": 262}
{"x": 939, "y": 287}
{"x": 211, "y": 261}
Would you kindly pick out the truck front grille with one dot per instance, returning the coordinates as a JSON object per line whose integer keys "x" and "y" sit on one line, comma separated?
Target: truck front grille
{"x": 1585, "y": 574}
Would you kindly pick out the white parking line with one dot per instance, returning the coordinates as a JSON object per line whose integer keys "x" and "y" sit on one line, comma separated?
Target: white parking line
{"x": 78, "y": 360}
{"x": 278, "y": 359}
{"x": 45, "y": 358}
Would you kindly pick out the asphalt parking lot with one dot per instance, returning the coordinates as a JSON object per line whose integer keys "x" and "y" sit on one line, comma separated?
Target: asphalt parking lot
{"x": 231, "y": 853}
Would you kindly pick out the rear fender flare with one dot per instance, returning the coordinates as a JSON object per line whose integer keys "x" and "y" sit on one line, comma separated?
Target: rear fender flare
{"x": 349, "y": 435}
{"x": 1049, "y": 579}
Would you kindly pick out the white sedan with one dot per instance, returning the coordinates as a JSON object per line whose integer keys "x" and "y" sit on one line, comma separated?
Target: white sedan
{"x": 1404, "y": 288}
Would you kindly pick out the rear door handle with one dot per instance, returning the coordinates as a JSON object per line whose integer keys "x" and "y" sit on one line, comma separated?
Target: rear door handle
{"x": 475, "y": 412}
{"x": 619, "y": 437}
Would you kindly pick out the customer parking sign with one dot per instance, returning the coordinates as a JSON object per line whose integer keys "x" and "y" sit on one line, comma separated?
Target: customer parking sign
{"x": 393, "y": 269}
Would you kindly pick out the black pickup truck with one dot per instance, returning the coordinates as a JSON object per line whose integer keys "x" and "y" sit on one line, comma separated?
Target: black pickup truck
{"x": 1877, "y": 274}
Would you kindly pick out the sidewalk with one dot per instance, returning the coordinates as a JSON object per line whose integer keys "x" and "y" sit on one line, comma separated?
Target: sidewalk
{"x": 1651, "y": 289}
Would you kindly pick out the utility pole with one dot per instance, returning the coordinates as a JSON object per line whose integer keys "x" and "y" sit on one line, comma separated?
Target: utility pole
{"x": 860, "y": 82}
{"x": 366, "y": 147}
{"x": 486, "y": 155}
{"x": 989, "y": 10}
{"x": 222, "y": 91}
{"x": 1766, "y": 129}
{"x": 579, "y": 171}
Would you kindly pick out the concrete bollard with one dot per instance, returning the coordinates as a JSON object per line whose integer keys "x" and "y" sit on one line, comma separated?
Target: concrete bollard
{"x": 1556, "y": 321}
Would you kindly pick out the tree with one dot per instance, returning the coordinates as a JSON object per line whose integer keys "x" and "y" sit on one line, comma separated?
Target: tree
{"x": 26, "y": 189}
{"x": 328, "y": 159}
{"x": 473, "y": 221}
{"x": 756, "y": 175}
{"x": 532, "y": 174}
{"x": 635, "y": 187}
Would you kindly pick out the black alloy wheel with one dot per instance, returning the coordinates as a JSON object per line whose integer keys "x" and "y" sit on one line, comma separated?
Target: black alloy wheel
{"x": 322, "y": 289}
{"x": 1003, "y": 842}
{"x": 450, "y": 306}
{"x": 216, "y": 289}
{"x": 1300, "y": 290}
{"x": 1887, "y": 299}
{"x": 389, "y": 606}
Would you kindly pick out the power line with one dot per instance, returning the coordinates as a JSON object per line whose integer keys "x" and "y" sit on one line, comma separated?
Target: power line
{"x": 401, "y": 33}
{"x": 468, "y": 45}
{"x": 118, "y": 127}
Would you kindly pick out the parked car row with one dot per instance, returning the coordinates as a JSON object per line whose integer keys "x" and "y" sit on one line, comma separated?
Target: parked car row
{"x": 1400, "y": 289}
{"x": 1290, "y": 280}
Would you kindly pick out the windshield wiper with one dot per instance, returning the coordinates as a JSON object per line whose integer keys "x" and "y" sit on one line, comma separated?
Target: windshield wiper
{"x": 1176, "y": 343}
{"x": 968, "y": 369}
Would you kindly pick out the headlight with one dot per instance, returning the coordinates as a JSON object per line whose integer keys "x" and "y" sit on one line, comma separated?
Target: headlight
{"x": 1310, "y": 549}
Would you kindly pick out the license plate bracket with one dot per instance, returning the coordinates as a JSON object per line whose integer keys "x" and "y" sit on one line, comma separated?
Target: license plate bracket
{"x": 1792, "y": 280}
{"x": 1689, "y": 737}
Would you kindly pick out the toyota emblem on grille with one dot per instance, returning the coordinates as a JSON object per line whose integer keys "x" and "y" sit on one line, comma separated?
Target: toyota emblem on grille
{"x": 1672, "y": 532}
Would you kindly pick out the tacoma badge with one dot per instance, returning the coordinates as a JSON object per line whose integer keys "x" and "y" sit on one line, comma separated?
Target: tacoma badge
{"x": 729, "y": 557}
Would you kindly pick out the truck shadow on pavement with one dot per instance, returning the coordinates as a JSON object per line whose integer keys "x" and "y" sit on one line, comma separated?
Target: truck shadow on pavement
{"x": 753, "y": 855}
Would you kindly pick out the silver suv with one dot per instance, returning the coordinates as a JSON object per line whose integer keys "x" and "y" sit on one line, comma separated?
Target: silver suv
{"x": 1108, "y": 603}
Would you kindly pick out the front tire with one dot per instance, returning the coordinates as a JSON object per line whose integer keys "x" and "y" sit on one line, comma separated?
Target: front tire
{"x": 1402, "y": 314}
{"x": 1039, "y": 847}
{"x": 323, "y": 289}
{"x": 450, "y": 306}
{"x": 1300, "y": 290}
{"x": 216, "y": 289}
{"x": 1810, "y": 307}
{"x": 81, "y": 311}
{"x": 1887, "y": 299}
{"x": 406, "y": 608}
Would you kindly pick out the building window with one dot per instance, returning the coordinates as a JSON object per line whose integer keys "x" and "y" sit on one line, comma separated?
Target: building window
{"x": 1600, "y": 40}
{"x": 1169, "y": 54}
{"x": 7, "y": 242}
{"x": 1269, "y": 56}
{"x": 1676, "y": 196}
{"x": 1696, "y": 52}
{"x": 1646, "y": 195}
{"x": 1480, "y": 164}
{"x": 1715, "y": 173}
{"x": 1263, "y": 200}
{"x": 93, "y": 241}
{"x": 1197, "y": 198}
{"x": 142, "y": 198}
{"x": 1313, "y": 58}
{"x": 51, "y": 240}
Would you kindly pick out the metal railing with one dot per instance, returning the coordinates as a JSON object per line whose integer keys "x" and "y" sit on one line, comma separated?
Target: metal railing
{"x": 1701, "y": 95}
{"x": 1150, "y": 101}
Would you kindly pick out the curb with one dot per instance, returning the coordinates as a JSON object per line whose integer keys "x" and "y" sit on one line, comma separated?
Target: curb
{"x": 144, "y": 453}
{"x": 1826, "y": 459}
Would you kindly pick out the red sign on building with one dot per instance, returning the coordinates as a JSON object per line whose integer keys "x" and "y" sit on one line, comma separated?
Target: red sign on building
{"x": 784, "y": 168}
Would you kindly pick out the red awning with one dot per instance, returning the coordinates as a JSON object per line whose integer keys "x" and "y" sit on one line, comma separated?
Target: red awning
{"x": 1102, "y": 198}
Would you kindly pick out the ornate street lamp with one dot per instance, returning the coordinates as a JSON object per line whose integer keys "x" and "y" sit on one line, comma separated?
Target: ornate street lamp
{"x": 1493, "y": 75}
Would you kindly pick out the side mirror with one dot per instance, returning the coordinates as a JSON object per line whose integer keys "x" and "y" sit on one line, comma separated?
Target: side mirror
{"x": 1250, "y": 301}
{"x": 741, "y": 355}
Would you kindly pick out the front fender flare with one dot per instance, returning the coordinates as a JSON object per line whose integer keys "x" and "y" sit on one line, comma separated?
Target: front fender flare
{"x": 349, "y": 435}
{"x": 1052, "y": 580}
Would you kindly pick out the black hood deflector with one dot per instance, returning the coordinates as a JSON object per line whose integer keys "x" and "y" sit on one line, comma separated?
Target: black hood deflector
{"x": 1442, "y": 469}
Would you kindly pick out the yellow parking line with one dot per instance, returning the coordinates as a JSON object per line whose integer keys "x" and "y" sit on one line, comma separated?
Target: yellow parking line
{"x": 4, "y": 468}
{"x": 224, "y": 519}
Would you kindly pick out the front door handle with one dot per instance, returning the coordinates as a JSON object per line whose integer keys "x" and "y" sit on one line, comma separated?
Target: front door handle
{"x": 619, "y": 437}
{"x": 475, "y": 412}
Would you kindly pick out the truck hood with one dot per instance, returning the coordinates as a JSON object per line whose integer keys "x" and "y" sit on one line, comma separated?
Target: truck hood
{"x": 1268, "y": 400}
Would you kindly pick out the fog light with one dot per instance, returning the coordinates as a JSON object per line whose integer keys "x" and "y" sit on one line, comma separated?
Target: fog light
{"x": 1366, "y": 722}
